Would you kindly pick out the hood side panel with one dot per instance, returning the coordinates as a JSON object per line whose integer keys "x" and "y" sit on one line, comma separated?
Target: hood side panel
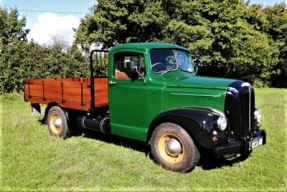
{"x": 182, "y": 97}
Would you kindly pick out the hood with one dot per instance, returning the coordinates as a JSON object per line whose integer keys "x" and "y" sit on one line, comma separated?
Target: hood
{"x": 186, "y": 81}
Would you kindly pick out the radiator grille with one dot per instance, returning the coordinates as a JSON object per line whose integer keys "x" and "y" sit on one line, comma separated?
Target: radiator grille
{"x": 239, "y": 108}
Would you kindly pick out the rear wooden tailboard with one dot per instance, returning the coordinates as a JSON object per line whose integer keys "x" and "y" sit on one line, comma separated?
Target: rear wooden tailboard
{"x": 73, "y": 93}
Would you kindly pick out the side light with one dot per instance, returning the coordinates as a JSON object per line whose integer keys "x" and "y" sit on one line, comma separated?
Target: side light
{"x": 257, "y": 115}
{"x": 222, "y": 123}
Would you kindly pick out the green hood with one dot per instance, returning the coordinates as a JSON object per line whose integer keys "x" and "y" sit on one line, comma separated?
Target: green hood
{"x": 185, "y": 81}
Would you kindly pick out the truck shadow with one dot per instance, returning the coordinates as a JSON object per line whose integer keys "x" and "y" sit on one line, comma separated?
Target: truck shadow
{"x": 113, "y": 139}
{"x": 206, "y": 162}
{"x": 213, "y": 163}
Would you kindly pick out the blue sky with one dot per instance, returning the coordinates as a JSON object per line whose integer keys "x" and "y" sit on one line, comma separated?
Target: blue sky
{"x": 45, "y": 18}
{"x": 69, "y": 6}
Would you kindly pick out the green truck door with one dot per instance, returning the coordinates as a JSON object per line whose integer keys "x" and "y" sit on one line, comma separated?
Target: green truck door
{"x": 127, "y": 95}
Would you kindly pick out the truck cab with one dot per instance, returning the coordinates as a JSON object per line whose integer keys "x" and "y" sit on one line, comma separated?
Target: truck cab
{"x": 155, "y": 96}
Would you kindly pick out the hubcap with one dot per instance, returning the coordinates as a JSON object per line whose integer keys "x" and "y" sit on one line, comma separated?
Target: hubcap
{"x": 58, "y": 122}
{"x": 170, "y": 148}
{"x": 173, "y": 147}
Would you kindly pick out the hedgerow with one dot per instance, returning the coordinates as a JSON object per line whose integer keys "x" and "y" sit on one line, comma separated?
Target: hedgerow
{"x": 23, "y": 60}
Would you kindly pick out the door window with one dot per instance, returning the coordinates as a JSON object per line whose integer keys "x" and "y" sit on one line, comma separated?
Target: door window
{"x": 127, "y": 63}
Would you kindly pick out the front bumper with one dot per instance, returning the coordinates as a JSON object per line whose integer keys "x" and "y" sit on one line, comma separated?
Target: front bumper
{"x": 241, "y": 147}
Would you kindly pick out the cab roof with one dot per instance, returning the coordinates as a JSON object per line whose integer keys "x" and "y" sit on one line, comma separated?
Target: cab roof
{"x": 147, "y": 46}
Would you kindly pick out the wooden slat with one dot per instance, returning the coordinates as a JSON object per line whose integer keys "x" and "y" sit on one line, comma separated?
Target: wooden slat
{"x": 71, "y": 93}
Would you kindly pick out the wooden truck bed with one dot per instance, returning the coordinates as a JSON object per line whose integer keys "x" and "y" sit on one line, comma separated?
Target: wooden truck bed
{"x": 73, "y": 93}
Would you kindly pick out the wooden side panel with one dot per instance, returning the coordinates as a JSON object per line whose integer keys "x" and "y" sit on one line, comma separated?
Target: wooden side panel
{"x": 101, "y": 92}
{"x": 36, "y": 88}
{"x": 73, "y": 93}
{"x": 52, "y": 89}
{"x": 76, "y": 92}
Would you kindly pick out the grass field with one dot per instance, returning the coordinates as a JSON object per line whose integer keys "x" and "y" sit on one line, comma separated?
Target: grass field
{"x": 31, "y": 159}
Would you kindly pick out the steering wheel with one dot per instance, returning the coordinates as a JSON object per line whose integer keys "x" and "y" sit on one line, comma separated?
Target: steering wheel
{"x": 160, "y": 67}
{"x": 159, "y": 63}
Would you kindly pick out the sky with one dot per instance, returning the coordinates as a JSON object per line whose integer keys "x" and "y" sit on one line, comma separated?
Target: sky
{"x": 49, "y": 18}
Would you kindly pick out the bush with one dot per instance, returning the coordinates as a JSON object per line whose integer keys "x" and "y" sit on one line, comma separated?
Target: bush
{"x": 20, "y": 61}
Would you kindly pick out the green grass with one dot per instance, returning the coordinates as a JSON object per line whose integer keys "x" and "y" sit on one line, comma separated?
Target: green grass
{"x": 31, "y": 159}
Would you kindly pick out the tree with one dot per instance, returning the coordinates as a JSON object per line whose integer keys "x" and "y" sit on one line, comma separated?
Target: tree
{"x": 23, "y": 60}
{"x": 11, "y": 28}
{"x": 272, "y": 21}
{"x": 123, "y": 21}
{"x": 277, "y": 29}
{"x": 12, "y": 36}
{"x": 223, "y": 42}
{"x": 59, "y": 42}
{"x": 20, "y": 60}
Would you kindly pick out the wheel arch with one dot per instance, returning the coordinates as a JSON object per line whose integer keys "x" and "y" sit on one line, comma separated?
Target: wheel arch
{"x": 197, "y": 121}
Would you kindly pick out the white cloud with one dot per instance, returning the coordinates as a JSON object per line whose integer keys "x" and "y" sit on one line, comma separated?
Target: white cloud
{"x": 50, "y": 24}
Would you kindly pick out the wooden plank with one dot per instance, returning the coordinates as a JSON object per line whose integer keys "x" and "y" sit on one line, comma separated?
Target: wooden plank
{"x": 68, "y": 104}
{"x": 101, "y": 92}
{"x": 71, "y": 93}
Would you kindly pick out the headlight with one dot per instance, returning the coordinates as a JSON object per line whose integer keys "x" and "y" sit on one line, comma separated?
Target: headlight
{"x": 222, "y": 123}
{"x": 257, "y": 115}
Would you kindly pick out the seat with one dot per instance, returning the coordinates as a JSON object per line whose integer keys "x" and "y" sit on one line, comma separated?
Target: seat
{"x": 121, "y": 75}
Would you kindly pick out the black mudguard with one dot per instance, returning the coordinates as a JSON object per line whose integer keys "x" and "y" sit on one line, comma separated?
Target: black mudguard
{"x": 199, "y": 122}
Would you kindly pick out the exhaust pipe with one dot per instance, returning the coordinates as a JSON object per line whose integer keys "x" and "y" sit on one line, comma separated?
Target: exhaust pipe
{"x": 96, "y": 124}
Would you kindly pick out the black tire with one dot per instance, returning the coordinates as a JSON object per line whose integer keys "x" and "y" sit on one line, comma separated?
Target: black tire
{"x": 183, "y": 161}
{"x": 56, "y": 114}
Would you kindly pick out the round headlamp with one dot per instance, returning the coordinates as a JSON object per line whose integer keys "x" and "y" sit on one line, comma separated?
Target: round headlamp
{"x": 222, "y": 123}
{"x": 257, "y": 115}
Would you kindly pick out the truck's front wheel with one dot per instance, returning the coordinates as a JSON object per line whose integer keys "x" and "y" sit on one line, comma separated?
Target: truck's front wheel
{"x": 58, "y": 123}
{"x": 173, "y": 148}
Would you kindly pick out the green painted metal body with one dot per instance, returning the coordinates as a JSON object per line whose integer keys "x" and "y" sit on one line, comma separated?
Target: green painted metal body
{"x": 133, "y": 104}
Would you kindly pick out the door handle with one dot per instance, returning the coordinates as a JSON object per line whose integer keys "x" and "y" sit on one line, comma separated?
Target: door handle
{"x": 112, "y": 83}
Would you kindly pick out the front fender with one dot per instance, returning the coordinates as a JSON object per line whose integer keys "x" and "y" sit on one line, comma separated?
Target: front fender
{"x": 199, "y": 122}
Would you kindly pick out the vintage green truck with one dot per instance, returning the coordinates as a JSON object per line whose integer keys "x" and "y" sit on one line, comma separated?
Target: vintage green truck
{"x": 150, "y": 92}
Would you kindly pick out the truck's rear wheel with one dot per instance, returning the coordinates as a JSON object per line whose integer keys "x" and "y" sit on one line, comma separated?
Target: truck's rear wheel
{"x": 173, "y": 148}
{"x": 58, "y": 123}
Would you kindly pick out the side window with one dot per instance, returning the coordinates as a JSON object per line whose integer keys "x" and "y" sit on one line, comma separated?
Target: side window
{"x": 184, "y": 61}
{"x": 125, "y": 63}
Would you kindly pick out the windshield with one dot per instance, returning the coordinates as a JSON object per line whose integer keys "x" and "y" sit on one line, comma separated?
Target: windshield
{"x": 162, "y": 60}
{"x": 168, "y": 60}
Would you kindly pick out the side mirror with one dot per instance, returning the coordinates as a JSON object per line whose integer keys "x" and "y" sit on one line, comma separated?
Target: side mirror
{"x": 135, "y": 70}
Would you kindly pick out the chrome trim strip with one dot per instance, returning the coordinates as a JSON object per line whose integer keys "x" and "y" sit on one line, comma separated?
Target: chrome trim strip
{"x": 218, "y": 112}
{"x": 196, "y": 95}
{"x": 83, "y": 121}
{"x": 249, "y": 108}
{"x": 245, "y": 84}
{"x": 101, "y": 124}
{"x": 232, "y": 89}
{"x": 228, "y": 93}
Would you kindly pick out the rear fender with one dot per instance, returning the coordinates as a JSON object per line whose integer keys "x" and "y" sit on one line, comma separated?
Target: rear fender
{"x": 199, "y": 122}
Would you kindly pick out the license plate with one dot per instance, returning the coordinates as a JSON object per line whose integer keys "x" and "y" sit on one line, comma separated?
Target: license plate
{"x": 255, "y": 143}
